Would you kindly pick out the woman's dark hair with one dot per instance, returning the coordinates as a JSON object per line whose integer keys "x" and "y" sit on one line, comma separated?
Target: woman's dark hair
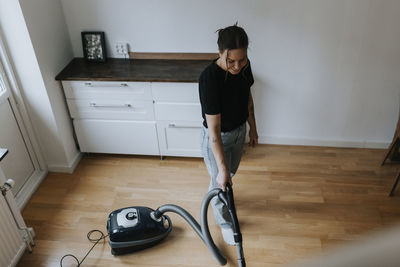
{"x": 232, "y": 37}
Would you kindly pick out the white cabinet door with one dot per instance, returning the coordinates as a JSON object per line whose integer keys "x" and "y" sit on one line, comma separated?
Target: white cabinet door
{"x": 117, "y": 136}
{"x": 177, "y": 138}
{"x": 175, "y": 92}
{"x": 178, "y": 111}
{"x": 18, "y": 164}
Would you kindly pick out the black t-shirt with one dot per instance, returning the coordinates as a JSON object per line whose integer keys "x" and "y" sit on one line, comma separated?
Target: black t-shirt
{"x": 226, "y": 94}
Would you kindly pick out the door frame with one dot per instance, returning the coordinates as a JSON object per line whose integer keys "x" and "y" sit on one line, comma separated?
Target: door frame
{"x": 23, "y": 120}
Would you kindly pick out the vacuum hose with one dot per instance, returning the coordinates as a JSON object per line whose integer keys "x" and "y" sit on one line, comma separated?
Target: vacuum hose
{"x": 203, "y": 230}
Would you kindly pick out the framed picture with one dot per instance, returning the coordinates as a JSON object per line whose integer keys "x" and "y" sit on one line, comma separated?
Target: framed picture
{"x": 94, "y": 46}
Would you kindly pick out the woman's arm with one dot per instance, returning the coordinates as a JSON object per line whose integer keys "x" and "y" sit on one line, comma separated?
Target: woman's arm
{"x": 214, "y": 133}
{"x": 252, "y": 122}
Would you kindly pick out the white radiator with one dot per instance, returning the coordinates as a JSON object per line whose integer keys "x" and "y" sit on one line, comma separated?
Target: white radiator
{"x": 12, "y": 244}
{"x": 15, "y": 237}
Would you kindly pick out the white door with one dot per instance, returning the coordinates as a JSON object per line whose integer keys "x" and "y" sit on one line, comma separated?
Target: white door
{"x": 18, "y": 164}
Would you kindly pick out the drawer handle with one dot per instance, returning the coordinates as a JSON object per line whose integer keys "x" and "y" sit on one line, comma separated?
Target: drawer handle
{"x": 173, "y": 125}
{"x": 89, "y": 84}
{"x": 111, "y": 106}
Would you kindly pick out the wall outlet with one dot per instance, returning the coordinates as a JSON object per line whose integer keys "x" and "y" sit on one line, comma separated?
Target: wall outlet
{"x": 121, "y": 48}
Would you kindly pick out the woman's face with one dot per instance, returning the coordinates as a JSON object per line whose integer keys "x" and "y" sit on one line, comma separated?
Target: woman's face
{"x": 234, "y": 60}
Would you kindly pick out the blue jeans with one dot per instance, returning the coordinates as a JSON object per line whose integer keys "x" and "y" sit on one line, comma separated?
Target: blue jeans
{"x": 233, "y": 142}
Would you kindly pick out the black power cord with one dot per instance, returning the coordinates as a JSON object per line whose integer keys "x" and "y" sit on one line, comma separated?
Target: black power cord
{"x": 95, "y": 240}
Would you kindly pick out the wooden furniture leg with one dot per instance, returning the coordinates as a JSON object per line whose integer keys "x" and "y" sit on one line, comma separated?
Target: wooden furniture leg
{"x": 395, "y": 145}
{"x": 392, "y": 150}
{"x": 395, "y": 184}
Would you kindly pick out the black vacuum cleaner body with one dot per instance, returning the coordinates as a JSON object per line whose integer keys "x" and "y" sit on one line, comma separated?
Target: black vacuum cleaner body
{"x": 134, "y": 228}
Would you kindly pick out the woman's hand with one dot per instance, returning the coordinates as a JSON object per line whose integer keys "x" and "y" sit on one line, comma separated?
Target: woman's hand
{"x": 253, "y": 137}
{"x": 224, "y": 178}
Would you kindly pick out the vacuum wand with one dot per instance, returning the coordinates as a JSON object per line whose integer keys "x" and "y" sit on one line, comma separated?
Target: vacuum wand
{"x": 228, "y": 200}
{"x": 202, "y": 229}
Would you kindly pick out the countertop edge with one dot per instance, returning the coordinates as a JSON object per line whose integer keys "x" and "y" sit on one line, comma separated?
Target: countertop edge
{"x": 104, "y": 79}
{"x": 120, "y": 70}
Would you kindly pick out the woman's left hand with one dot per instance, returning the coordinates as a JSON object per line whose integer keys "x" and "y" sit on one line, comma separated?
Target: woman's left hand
{"x": 253, "y": 137}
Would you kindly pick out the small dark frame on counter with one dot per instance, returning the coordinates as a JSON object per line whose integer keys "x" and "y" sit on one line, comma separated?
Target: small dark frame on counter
{"x": 94, "y": 46}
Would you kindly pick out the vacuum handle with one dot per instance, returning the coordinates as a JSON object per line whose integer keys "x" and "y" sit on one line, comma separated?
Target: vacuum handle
{"x": 229, "y": 196}
{"x": 237, "y": 235}
{"x": 230, "y": 203}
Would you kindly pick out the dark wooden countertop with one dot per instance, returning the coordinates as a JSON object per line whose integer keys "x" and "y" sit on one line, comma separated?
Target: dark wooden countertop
{"x": 146, "y": 70}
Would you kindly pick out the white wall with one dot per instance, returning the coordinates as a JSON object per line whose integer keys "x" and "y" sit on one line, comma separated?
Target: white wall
{"x": 39, "y": 47}
{"x": 327, "y": 71}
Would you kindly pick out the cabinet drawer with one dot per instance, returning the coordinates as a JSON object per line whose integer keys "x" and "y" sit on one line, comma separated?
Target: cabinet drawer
{"x": 128, "y": 109}
{"x": 176, "y": 92}
{"x": 179, "y": 138}
{"x": 89, "y": 89}
{"x": 121, "y": 137}
{"x": 178, "y": 111}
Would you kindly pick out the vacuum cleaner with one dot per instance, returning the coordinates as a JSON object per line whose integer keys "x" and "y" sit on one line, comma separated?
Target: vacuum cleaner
{"x": 134, "y": 228}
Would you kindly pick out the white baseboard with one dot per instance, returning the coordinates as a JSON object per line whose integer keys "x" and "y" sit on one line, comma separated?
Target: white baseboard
{"x": 315, "y": 142}
{"x": 29, "y": 188}
{"x": 70, "y": 168}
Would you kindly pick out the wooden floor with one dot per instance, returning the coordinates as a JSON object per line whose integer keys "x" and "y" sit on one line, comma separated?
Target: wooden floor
{"x": 292, "y": 202}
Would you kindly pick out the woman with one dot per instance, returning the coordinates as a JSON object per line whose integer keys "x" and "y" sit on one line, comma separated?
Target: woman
{"x": 226, "y": 101}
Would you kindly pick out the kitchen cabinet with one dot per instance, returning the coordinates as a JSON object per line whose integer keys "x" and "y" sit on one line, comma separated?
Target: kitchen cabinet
{"x": 142, "y": 118}
{"x": 178, "y": 115}
{"x": 112, "y": 117}
{"x": 145, "y": 107}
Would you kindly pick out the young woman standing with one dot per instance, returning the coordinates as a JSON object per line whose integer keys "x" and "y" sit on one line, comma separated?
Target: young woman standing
{"x": 226, "y": 101}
